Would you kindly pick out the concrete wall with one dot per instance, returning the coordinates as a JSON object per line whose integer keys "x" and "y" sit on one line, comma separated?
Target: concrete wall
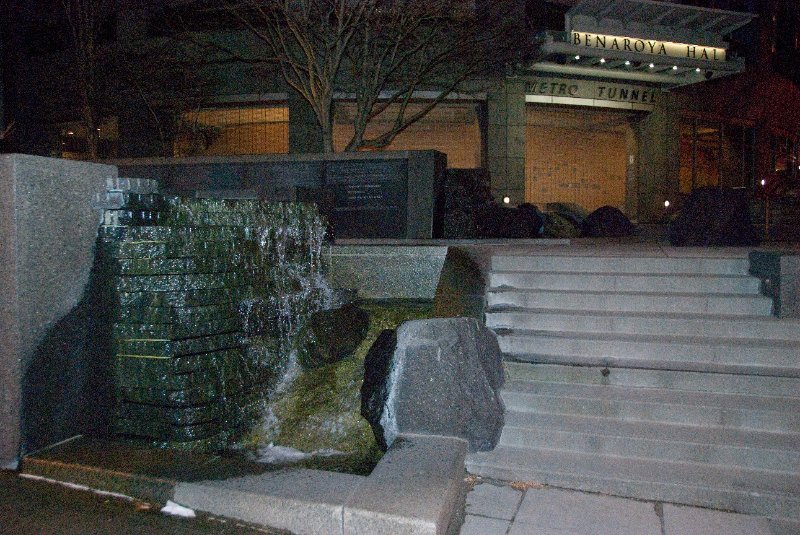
{"x": 47, "y": 235}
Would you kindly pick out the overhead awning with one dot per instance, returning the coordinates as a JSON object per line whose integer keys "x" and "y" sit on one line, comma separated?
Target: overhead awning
{"x": 661, "y": 43}
{"x": 663, "y": 17}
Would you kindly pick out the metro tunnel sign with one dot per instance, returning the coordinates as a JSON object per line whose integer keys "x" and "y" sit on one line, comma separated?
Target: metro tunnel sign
{"x": 648, "y": 46}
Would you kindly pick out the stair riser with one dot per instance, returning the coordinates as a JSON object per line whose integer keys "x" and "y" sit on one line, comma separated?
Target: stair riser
{"x": 788, "y": 443}
{"x": 620, "y": 324}
{"x": 669, "y": 266}
{"x": 779, "y": 507}
{"x": 651, "y": 449}
{"x": 629, "y": 283}
{"x": 732, "y": 354}
{"x": 644, "y": 395}
{"x": 690, "y": 381}
{"x": 657, "y": 412}
{"x": 752, "y": 306}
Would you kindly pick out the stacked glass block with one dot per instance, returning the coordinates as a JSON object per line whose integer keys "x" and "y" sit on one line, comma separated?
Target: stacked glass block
{"x": 182, "y": 269}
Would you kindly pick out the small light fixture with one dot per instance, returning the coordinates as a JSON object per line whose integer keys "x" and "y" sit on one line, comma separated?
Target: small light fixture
{"x": 666, "y": 204}
{"x": 674, "y": 67}
{"x": 577, "y": 58}
{"x": 506, "y": 200}
{"x": 627, "y": 63}
{"x": 652, "y": 65}
{"x": 602, "y": 60}
{"x": 763, "y": 182}
{"x": 70, "y": 133}
{"x": 697, "y": 69}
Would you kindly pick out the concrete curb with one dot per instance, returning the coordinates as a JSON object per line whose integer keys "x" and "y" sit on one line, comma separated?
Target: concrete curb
{"x": 416, "y": 489}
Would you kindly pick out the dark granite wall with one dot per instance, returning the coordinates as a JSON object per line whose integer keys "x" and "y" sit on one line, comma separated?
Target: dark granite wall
{"x": 365, "y": 195}
{"x": 50, "y": 366}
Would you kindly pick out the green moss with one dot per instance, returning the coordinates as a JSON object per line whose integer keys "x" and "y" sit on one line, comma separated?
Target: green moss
{"x": 322, "y": 408}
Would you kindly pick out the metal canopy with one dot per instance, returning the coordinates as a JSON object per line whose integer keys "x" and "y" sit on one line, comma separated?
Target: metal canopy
{"x": 653, "y": 13}
{"x": 643, "y": 19}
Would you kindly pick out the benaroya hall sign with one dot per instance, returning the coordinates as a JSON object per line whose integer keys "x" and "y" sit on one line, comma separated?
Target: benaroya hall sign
{"x": 648, "y": 46}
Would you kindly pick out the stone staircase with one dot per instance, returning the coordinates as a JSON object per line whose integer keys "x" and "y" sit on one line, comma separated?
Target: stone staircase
{"x": 652, "y": 376}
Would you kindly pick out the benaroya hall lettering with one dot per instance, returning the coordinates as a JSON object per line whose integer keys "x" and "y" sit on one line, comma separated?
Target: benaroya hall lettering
{"x": 648, "y": 46}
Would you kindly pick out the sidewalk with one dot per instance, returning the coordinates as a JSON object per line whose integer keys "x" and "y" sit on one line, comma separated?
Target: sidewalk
{"x": 499, "y": 510}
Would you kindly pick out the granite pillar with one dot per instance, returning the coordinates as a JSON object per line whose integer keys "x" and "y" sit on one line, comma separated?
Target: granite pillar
{"x": 48, "y": 229}
{"x": 506, "y": 140}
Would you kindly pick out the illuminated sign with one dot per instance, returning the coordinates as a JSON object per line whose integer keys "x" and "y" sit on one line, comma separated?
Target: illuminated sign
{"x": 648, "y": 46}
{"x": 594, "y": 90}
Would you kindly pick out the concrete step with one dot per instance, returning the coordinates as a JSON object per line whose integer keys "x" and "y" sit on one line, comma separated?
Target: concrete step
{"x": 622, "y": 264}
{"x": 769, "y": 357}
{"x": 739, "y": 411}
{"x": 629, "y": 377}
{"x": 719, "y": 325}
{"x": 626, "y": 282}
{"x": 762, "y": 492}
{"x": 657, "y": 440}
{"x": 729, "y": 304}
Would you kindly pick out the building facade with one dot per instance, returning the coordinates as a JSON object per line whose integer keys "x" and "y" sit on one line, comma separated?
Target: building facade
{"x": 628, "y": 103}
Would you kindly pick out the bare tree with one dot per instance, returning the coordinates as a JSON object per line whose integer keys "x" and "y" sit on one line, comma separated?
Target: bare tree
{"x": 86, "y": 19}
{"x": 378, "y": 52}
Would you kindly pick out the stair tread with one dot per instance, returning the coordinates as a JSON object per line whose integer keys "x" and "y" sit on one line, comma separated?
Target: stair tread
{"x": 695, "y": 316}
{"x": 658, "y": 338}
{"x": 695, "y": 295}
{"x": 736, "y": 276}
{"x": 648, "y": 470}
{"x": 644, "y": 363}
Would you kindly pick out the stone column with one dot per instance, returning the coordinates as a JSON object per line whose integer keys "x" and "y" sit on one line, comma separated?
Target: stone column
{"x": 48, "y": 229}
{"x": 658, "y": 167}
{"x": 506, "y": 140}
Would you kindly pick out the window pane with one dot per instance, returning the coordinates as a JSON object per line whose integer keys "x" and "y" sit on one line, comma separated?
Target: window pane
{"x": 234, "y": 131}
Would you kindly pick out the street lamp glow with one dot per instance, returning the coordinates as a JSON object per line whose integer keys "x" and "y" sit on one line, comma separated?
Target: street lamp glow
{"x": 506, "y": 200}
{"x": 666, "y": 204}
{"x": 763, "y": 182}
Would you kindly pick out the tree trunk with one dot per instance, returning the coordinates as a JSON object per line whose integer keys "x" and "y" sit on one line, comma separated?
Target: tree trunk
{"x": 327, "y": 137}
{"x": 92, "y": 139}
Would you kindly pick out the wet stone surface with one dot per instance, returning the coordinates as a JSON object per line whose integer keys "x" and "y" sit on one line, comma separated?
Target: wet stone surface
{"x": 195, "y": 281}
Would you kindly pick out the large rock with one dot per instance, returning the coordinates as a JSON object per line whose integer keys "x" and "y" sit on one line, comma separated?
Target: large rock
{"x": 607, "y": 222}
{"x": 496, "y": 221}
{"x": 331, "y": 335}
{"x": 435, "y": 377}
{"x": 714, "y": 216}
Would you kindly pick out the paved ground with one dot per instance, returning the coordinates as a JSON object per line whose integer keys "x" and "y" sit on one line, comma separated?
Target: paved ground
{"x": 33, "y": 507}
{"x": 493, "y": 509}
